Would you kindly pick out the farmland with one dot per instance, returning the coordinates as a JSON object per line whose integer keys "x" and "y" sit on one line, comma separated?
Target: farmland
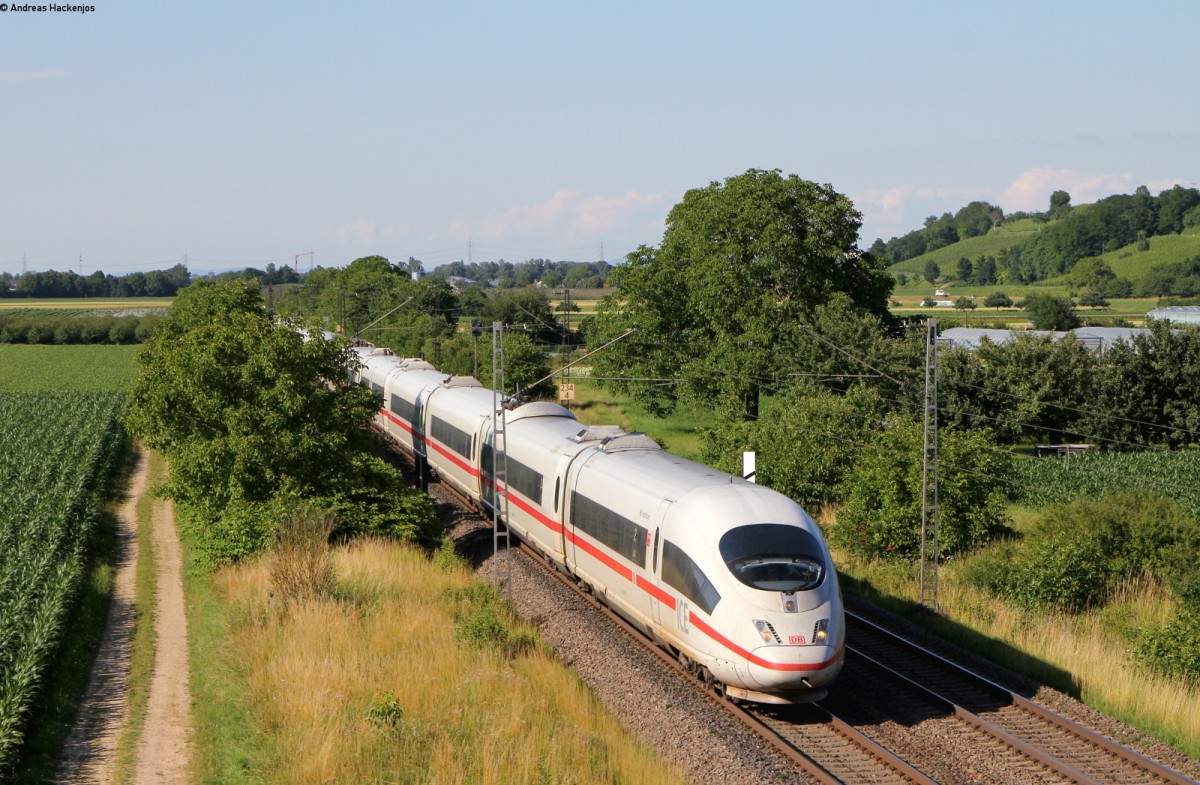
{"x": 60, "y": 426}
{"x": 60, "y": 449}
{"x": 78, "y": 368}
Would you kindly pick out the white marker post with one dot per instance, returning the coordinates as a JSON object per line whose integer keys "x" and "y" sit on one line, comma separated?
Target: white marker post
{"x": 748, "y": 466}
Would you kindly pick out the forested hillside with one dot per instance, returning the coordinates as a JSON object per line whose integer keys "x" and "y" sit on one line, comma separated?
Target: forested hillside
{"x": 982, "y": 245}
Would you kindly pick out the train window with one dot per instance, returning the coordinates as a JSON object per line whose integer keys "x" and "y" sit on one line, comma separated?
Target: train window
{"x": 521, "y": 478}
{"x": 774, "y": 557}
{"x": 447, "y": 434}
{"x": 405, "y": 410}
{"x": 617, "y": 532}
{"x": 682, "y": 574}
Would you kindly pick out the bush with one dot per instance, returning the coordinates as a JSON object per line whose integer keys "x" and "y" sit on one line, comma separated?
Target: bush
{"x": 1174, "y": 648}
{"x": 484, "y": 620}
{"x": 236, "y": 532}
{"x": 882, "y": 513}
{"x": 1078, "y": 553}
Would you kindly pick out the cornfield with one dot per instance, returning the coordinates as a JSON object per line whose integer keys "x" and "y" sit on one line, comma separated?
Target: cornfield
{"x": 58, "y": 451}
{"x": 1175, "y": 475}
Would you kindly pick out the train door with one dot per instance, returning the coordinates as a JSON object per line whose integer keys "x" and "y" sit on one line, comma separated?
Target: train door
{"x": 418, "y": 438}
{"x": 574, "y": 464}
{"x": 654, "y": 556}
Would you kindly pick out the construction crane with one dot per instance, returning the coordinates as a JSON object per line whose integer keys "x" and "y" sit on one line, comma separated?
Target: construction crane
{"x": 296, "y": 261}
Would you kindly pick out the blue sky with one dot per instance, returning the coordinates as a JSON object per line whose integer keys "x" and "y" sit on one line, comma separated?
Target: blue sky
{"x": 244, "y": 133}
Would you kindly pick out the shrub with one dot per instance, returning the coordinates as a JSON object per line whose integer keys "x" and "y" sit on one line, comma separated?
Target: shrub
{"x": 1078, "y": 553}
{"x": 1062, "y": 572}
{"x": 301, "y": 567}
{"x": 882, "y": 513}
{"x": 484, "y": 620}
{"x": 1174, "y": 648}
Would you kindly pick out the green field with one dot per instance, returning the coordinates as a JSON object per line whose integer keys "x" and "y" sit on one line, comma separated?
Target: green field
{"x": 80, "y": 368}
{"x": 1128, "y": 262}
{"x": 84, "y": 304}
{"x": 989, "y": 244}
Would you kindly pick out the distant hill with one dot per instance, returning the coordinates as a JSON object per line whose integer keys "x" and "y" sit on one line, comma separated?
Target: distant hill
{"x": 1122, "y": 236}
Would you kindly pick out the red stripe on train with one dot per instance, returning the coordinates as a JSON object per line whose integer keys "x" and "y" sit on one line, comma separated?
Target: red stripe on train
{"x": 755, "y": 659}
{"x": 402, "y": 423}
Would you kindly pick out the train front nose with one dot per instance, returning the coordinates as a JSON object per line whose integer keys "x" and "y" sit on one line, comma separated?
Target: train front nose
{"x": 787, "y": 668}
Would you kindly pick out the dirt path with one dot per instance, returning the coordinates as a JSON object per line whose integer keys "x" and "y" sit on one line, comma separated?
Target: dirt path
{"x": 163, "y": 752}
{"x": 88, "y": 753}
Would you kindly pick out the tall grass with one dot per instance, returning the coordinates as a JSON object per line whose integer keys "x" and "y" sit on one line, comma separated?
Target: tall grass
{"x": 374, "y": 683}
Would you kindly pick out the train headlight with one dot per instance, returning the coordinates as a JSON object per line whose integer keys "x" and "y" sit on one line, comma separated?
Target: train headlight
{"x": 821, "y": 631}
{"x": 766, "y": 632}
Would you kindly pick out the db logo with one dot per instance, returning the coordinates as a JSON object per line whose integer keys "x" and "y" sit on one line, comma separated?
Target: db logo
{"x": 3, "y": 7}
{"x": 796, "y": 639}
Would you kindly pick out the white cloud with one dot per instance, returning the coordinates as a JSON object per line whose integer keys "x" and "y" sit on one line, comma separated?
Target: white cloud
{"x": 574, "y": 216}
{"x": 362, "y": 231}
{"x": 9, "y": 77}
{"x": 1031, "y": 190}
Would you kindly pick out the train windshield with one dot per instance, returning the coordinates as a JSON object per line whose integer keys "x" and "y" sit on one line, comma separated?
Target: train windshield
{"x": 774, "y": 557}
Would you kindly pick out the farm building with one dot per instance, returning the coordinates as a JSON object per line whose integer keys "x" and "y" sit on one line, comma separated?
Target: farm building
{"x": 1185, "y": 314}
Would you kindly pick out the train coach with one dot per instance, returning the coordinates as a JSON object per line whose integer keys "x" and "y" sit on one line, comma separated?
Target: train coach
{"x": 731, "y": 577}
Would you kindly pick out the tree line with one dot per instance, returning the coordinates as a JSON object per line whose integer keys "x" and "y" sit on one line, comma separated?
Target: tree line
{"x": 376, "y": 300}
{"x": 506, "y": 275}
{"x": 155, "y": 283}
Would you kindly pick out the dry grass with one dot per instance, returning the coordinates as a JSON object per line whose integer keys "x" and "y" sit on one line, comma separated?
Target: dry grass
{"x": 370, "y": 684}
{"x": 301, "y": 566}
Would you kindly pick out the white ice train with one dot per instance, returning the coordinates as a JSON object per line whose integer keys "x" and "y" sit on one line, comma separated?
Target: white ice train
{"x": 733, "y": 578}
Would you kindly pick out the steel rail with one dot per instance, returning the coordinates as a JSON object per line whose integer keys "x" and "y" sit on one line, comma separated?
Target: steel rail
{"x": 1042, "y": 713}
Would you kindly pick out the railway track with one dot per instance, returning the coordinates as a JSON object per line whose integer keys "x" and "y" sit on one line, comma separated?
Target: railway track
{"x": 1065, "y": 751}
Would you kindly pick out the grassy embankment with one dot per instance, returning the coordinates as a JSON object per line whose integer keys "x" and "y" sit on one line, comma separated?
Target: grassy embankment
{"x": 1086, "y": 655}
{"x": 406, "y": 671}
{"x": 374, "y": 683}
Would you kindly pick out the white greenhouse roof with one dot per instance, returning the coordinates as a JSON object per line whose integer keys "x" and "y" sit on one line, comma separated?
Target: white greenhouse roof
{"x": 1188, "y": 314}
{"x": 1094, "y": 338}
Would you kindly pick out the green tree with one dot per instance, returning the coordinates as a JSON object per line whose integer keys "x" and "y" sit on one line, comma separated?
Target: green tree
{"x": 525, "y": 309}
{"x": 997, "y": 300}
{"x": 742, "y": 264}
{"x": 1148, "y": 391}
{"x": 1050, "y": 312}
{"x": 807, "y": 443}
{"x": 1060, "y": 205}
{"x": 964, "y": 269}
{"x": 882, "y": 513}
{"x": 931, "y": 271}
{"x": 1093, "y": 299}
{"x": 243, "y": 409}
{"x": 964, "y": 304}
{"x": 1032, "y": 387}
{"x": 1091, "y": 273}
{"x": 525, "y": 363}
